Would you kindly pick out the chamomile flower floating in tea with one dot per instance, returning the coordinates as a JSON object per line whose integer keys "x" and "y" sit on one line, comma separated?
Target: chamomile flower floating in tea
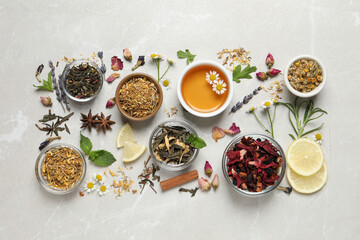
{"x": 90, "y": 186}
{"x": 103, "y": 189}
{"x": 219, "y": 86}
{"x": 266, "y": 104}
{"x": 212, "y": 76}
{"x": 98, "y": 178}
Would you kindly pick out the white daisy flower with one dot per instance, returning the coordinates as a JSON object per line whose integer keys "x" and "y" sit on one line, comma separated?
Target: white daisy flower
{"x": 318, "y": 138}
{"x": 156, "y": 56}
{"x": 212, "y": 76}
{"x": 103, "y": 189}
{"x": 250, "y": 110}
{"x": 98, "y": 178}
{"x": 219, "y": 86}
{"x": 171, "y": 62}
{"x": 266, "y": 104}
{"x": 90, "y": 186}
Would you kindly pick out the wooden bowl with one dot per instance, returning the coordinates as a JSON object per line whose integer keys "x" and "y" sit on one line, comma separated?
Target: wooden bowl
{"x": 126, "y": 79}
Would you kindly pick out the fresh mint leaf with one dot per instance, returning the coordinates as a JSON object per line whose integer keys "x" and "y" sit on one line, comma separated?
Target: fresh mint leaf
{"x": 189, "y": 57}
{"x": 245, "y": 73}
{"x": 102, "y": 158}
{"x": 47, "y": 85}
{"x": 196, "y": 141}
{"x": 85, "y": 144}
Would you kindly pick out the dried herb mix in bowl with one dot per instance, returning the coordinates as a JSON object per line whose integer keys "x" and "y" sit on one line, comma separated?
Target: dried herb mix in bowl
{"x": 305, "y": 75}
{"x": 170, "y": 145}
{"x": 82, "y": 81}
{"x": 253, "y": 164}
{"x": 139, "y": 97}
{"x": 62, "y": 167}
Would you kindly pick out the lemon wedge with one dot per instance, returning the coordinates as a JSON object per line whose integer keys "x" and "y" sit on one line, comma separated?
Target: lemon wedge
{"x": 305, "y": 157}
{"x": 309, "y": 184}
{"x": 126, "y": 134}
{"x": 132, "y": 151}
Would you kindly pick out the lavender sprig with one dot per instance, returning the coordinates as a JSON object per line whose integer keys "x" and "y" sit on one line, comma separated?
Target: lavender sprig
{"x": 63, "y": 95}
{"x": 102, "y": 68}
{"x": 55, "y": 84}
{"x": 245, "y": 100}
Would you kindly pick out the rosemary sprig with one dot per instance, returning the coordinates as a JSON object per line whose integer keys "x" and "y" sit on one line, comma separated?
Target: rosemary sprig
{"x": 311, "y": 113}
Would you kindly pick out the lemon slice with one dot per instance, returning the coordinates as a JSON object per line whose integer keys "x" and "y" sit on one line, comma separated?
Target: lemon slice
{"x": 309, "y": 184}
{"x": 126, "y": 134}
{"x": 305, "y": 156}
{"x": 132, "y": 151}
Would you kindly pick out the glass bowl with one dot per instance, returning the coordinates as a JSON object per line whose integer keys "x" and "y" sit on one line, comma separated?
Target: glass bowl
{"x": 171, "y": 166}
{"x": 66, "y": 71}
{"x": 44, "y": 183}
{"x": 281, "y": 173}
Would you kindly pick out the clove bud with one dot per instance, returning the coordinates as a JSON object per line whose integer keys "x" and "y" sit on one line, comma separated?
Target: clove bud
{"x": 261, "y": 76}
{"x": 208, "y": 168}
{"x": 204, "y": 184}
{"x": 110, "y": 103}
{"x": 273, "y": 72}
{"x": 127, "y": 54}
{"x": 270, "y": 60}
{"x": 215, "y": 182}
{"x": 46, "y": 101}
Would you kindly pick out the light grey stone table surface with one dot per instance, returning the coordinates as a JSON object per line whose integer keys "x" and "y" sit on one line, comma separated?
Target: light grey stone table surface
{"x": 33, "y": 32}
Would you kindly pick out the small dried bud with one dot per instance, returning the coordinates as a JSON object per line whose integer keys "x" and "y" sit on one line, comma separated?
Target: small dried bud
{"x": 270, "y": 60}
{"x": 204, "y": 184}
{"x": 127, "y": 54}
{"x": 110, "y": 103}
{"x": 261, "y": 76}
{"x": 140, "y": 62}
{"x": 273, "y": 72}
{"x": 112, "y": 77}
{"x": 100, "y": 54}
{"x": 215, "y": 182}
{"x": 46, "y": 101}
{"x": 208, "y": 169}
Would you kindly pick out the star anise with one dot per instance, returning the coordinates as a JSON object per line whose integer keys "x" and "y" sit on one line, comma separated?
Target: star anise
{"x": 104, "y": 122}
{"x": 89, "y": 120}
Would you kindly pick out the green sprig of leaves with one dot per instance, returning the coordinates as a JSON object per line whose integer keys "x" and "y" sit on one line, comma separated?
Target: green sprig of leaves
{"x": 196, "y": 141}
{"x": 245, "y": 73}
{"x": 47, "y": 85}
{"x": 100, "y": 158}
{"x": 189, "y": 57}
{"x": 311, "y": 113}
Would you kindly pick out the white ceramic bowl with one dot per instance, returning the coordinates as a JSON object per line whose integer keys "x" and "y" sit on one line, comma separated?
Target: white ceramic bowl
{"x": 313, "y": 92}
{"x": 230, "y": 88}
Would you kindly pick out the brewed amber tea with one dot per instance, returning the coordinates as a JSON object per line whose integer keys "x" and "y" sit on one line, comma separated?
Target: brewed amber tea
{"x": 201, "y": 92}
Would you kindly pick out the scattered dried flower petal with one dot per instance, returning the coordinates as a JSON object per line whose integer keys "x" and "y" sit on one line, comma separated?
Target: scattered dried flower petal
{"x": 204, "y": 184}
{"x": 232, "y": 130}
{"x": 140, "y": 62}
{"x": 110, "y": 103}
{"x": 127, "y": 54}
{"x": 116, "y": 63}
{"x": 112, "y": 77}
{"x": 217, "y": 133}
{"x": 215, "y": 182}
{"x": 38, "y": 72}
{"x": 208, "y": 169}
{"x": 46, "y": 101}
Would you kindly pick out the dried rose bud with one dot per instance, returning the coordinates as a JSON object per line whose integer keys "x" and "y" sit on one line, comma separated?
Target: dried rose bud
{"x": 112, "y": 77}
{"x": 127, "y": 54}
{"x": 110, "y": 103}
{"x": 261, "y": 76}
{"x": 208, "y": 169}
{"x": 46, "y": 101}
{"x": 116, "y": 63}
{"x": 273, "y": 72}
{"x": 270, "y": 60}
{"x": 215, "y": 182}
{"x": 204, "y": 184}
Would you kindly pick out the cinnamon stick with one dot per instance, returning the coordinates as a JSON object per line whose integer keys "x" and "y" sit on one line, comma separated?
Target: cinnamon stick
{"x": 178, "y": 180}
